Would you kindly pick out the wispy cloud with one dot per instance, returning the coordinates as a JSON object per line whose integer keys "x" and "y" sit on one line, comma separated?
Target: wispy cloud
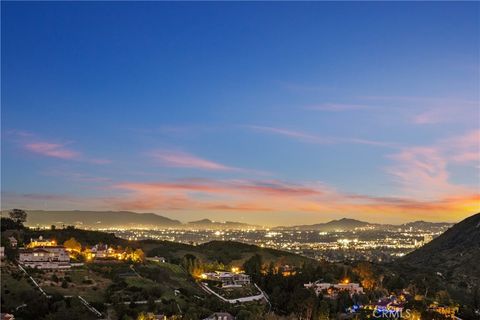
{"x": 186, "y": 160}
{"x": 298, "y": 135}
{"x": 423, "y": 170}
{"x": 430, "y": 110}
{"x": 338, "y": 107}
{"x": 52, "y": 149}
{"x": 74, "y": 176}
{"x": 311, "y": 138}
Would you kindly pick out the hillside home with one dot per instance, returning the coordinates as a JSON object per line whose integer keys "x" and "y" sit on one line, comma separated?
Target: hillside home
{"x": 330, "y": 289}
{"x": 48, "y": 257}
{"x": 228, "y": 279}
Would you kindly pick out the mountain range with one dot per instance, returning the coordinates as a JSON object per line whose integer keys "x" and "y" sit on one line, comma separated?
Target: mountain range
{"x": 116, "y": 219}
{"x": 209, "y": 224}
{"x": 96, "y": 219}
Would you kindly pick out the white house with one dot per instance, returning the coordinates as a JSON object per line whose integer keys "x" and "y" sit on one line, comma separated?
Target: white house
{"x": 50, "y": 257}
{"x": 228, "y": 279}
{"x": 156, "y": 259}
{"x": 41, "y": 242}
{"x": 102, "y": 251}
{"x": 332, "y": 289}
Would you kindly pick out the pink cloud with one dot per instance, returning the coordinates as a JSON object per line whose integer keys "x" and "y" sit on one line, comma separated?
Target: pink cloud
{"x": 281, "y": 197}
{"x": 463, "y": 149}
{"x": 201, "y": 196}
{"x": 32, "y": 143}
{"x": 299, "y": 135}
{"x": 52, "y": 150}
{"x": 424, "y": 170}
{"x": 186, "y": 160}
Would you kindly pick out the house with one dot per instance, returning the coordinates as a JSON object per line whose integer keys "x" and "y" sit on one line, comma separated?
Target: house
{"x": 331, "y": 290}
{"x": 220, "y": 316}
{"x": 228, "y": 279}
{"x": 40, "y": 242}
{"x": 287, "y": 270}
{"x": 100, "y": 251}
{"x": 48, "y": 257}
{"x": 156, "y": 259}
{"x": 13, "y": 242}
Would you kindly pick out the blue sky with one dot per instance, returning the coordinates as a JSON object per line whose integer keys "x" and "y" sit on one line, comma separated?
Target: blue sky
{"x": 273, "y": 113}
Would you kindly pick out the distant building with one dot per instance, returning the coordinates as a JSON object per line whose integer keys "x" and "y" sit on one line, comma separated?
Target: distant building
{"x": 427, "y": 238}
{"x": 220, "y": 316}
{"x": 48, "y": 257}
{"x": 228, "y": 279}
{"x": 446, "y": 311}
{"x": 332, "y": 289}
{"x": 13, "y": 242}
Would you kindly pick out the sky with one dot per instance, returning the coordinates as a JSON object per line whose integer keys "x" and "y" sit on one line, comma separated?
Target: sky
{"x": 269, "y": 113}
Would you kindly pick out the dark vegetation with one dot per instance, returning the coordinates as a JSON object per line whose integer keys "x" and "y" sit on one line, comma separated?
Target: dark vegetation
{"x": 445, "y": 270}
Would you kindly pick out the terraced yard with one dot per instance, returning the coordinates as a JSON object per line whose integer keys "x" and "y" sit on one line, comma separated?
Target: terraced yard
{"x": 74, "y": 282}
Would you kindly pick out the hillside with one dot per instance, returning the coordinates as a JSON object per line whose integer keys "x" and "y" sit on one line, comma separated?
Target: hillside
{"x": 449, "y": 262}
{"x": 97, "y": 219}
{"x": 425, "y": 225}
{"x": 226, "y": 252}
{"x": 455, "y": 253}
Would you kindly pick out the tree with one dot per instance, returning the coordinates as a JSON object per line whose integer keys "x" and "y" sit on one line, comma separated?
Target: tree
{"x": 253, "y": 266}
{"x": 323, "y": 310}
{"x": 138, "y": 255}
{"x": 73, "y": 245}
{"x": 244, "y": 315}
{"x": 366, "y": 274}
{"x": 9, "y": 224}
{"x": 18, "y": 215}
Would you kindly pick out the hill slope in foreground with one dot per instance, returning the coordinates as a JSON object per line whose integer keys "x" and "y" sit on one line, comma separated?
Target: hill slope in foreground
{"x": 451, "y": 260}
